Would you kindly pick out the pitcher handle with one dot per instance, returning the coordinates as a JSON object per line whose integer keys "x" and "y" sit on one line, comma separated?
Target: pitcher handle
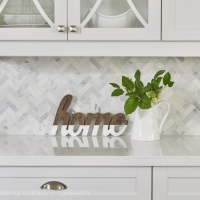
{"x": 165, "y": 116}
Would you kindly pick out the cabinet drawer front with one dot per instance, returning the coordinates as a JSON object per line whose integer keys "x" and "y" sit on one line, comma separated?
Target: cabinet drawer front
{"x": 127, "y": 183}
{"x": 78, "y": 188}
{"x": 174, "y": 183}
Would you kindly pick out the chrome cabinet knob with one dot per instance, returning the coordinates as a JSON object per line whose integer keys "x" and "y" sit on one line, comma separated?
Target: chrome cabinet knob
{"x": 73, "y": 29}
{"x": 61, "y": 28}
{"x": 54, "y": 185}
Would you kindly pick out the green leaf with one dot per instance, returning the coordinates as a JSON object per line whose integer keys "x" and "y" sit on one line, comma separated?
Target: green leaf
{"x": 137, "y": 75}
{"x": 115, "y": 85}
{"x": 127, "y": 83}
{"x": 158, "y": 80}
{"x": 131, "y": 105}
{"x": 166, "y": 78}
{"x": 134, "y": 93}
{"x": 138, "y": 89}
{"x": 148, "y": 87}
{"x": 156, "y": 83}
{"x": 117, "y": 92}
{"x": 170, "y": 84}
{"x": 159, "y": 73}
{"x": 138, "y": 83}
{"x": 145, "y": 102}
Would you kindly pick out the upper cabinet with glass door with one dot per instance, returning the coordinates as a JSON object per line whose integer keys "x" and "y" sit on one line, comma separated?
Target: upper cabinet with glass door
{"x": 114, "y": 20}
{"x": 33, "y": 19}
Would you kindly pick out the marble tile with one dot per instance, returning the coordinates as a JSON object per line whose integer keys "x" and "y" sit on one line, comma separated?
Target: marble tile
{"x": 31, "y": 88}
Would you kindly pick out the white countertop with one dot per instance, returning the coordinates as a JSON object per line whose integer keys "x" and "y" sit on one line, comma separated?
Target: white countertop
{"x": 98, "y": 151}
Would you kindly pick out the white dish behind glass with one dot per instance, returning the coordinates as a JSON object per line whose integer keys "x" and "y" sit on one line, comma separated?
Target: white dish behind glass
{"x": 28, "y": 16}
{"x": 25, "y": 26}
{"x": 125, "y": 20}
{"x": 24, "y": 19}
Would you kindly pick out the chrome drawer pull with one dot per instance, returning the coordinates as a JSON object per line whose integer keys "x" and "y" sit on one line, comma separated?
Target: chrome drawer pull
{"x": 54, "y": 185}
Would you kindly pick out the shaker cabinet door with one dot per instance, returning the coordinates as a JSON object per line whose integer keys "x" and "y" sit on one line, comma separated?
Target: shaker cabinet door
{"x": 176, "y": 183}
{"x": 181, "y": 20}
{"x": 33, "y": 19}
{"x": 110, "y": 20}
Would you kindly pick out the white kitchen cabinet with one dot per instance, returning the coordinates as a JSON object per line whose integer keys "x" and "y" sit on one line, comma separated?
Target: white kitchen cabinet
{"x": 114, "y": 20}
{"x": 176, "y": 183}
{"x": 127, "y": 183}
{"x": 180, "y": 20}
{"x": 33, "y": 19}
{"x": 101, "y": 28}
{"x": 88, "y": 20}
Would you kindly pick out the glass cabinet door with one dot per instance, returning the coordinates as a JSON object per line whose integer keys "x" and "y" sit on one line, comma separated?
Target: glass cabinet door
{"x": 33, "y": 19}
{"x": 114, "y": 19}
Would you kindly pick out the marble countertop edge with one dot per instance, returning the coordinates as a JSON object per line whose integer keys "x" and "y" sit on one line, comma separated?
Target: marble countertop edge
{"x": 99, "y": 161}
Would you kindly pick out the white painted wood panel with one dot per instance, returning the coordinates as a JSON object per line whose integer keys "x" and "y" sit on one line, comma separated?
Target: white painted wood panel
{"x": 184, "y": 185}
{"x": 187, "y": 14}
{"x": 184, "y": 197}
{"x": 160, "y": 183}
{"x": 118, "y": 34}
{"x": 168, "y": 17}
{"x": 127, "y": 183}
{"x": 61, "y": 15}
{"x": 27, "y": 33}
{"x": 98, "y": 172}
{"x": 95, "y": 48}
{"x": 97, "y": 188}
{"x": 184, "y": 172}
{"x": 143, "y": 183}
{"x": 154, "y": 27}
{"x": 181, "y": 20}
{"x": 176, "y": 183}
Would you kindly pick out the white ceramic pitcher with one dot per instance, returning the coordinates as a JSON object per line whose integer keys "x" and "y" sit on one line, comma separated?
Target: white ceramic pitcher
{"x": 146, "y": 127}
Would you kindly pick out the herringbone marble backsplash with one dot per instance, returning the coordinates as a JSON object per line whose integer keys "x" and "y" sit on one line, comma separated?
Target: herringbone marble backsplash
{"x": 32, "y": 88}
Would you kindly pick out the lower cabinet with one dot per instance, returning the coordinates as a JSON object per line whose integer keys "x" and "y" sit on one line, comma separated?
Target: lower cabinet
{"x": 176, "y": 183}
{"x": 89, "y": 183}
{"x": 78, "y": 183}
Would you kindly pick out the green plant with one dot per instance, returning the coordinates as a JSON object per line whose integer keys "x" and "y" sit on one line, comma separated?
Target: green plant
{"x": 139, "y": 95}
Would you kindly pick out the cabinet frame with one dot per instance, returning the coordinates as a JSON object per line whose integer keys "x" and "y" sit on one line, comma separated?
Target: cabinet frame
{"x": 176, "y": 183}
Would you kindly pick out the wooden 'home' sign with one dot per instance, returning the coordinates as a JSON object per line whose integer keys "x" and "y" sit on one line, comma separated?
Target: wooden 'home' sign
{"x": 69, "y": 121}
